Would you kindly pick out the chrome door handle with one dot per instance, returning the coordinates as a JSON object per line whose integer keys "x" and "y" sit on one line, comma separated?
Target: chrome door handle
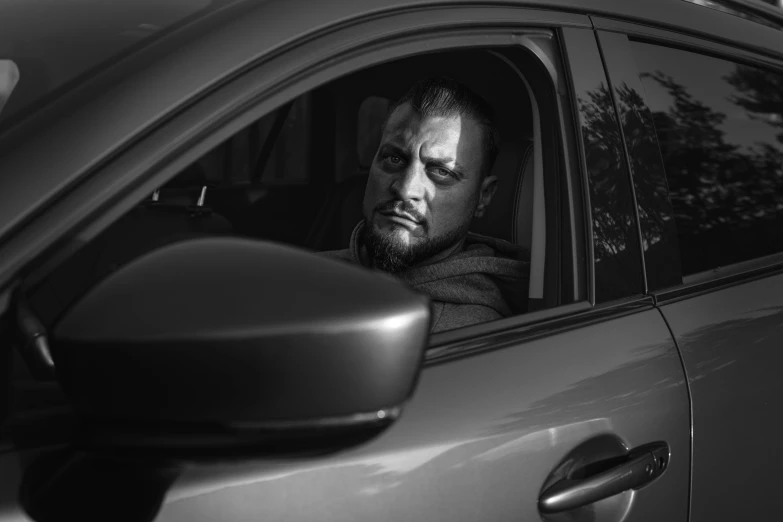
{"x": 641, "y": 466}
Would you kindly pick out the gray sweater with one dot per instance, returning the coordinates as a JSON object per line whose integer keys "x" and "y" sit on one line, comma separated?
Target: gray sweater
{"x": 471, "y": 286}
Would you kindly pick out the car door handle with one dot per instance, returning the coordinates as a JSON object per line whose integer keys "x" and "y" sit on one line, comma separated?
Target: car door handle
{"x": 640, "y": 467}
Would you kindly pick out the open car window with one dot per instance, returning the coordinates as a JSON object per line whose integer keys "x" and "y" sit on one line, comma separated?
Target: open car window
{"x": 299, "y": 174}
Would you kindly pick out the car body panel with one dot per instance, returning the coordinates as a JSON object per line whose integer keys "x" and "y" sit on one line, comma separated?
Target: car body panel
{"x": 479, "y": 437}
{"x": 68, "y": 44}
{"x": 476, "y": 441}
{"x": 730, "y": 341}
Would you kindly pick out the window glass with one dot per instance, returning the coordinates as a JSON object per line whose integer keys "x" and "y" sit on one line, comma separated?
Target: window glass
{"x": 720, "y": 129}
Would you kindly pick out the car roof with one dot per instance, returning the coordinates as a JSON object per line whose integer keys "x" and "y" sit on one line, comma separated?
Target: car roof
{"x": 55, "y": 43}
{"x": 226, "y": 33}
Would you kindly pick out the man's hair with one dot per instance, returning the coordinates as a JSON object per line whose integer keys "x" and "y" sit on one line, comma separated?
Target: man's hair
{"x": 439, "y": 96}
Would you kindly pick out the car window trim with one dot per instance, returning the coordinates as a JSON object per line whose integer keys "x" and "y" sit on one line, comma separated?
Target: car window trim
{"x": 580, "y": 49}
{"x": 626, "y": 157}
{"x": 578, "y": 164}
{"x": 576, "y": 182}
{"x": 727, "y": 50}
{"x": 722, "y": 277}
{"x": 512, "y": 331}
{"x": 622, "y": 69}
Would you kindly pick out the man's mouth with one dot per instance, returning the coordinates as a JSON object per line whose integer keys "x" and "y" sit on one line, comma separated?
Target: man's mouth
{"x": 401, "y": 216}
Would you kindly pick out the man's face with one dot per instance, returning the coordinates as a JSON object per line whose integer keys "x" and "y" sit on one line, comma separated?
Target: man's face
{"x": 425, "y": 187}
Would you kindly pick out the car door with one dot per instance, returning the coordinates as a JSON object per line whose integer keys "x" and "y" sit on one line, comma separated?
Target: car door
{"x": 709, "y": 118}
{"x": 502, "y": 411}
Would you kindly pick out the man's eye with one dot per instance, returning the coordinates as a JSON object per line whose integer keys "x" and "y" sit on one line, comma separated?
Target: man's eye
{"x": 441, "y": 172}
{"x": 393, "y": 159}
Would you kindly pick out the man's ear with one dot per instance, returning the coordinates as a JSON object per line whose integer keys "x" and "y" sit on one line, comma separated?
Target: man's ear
{"x": 486, "y": 191}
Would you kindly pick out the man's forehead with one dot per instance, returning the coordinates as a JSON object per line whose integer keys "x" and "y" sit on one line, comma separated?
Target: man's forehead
{"x": 452, "y": 139}
{"x": 405, "y": 121}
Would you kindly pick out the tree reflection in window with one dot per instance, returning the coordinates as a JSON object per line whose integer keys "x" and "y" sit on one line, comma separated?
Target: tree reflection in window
{"x": 720, "y": 130}
{"x": 615, "y": 238}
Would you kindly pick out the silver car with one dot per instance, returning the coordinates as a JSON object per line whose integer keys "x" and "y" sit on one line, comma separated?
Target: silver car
{"x": 170, "y": 169}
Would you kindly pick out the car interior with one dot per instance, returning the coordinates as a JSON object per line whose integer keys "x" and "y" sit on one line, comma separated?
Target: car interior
{"x": 297, "y": 175}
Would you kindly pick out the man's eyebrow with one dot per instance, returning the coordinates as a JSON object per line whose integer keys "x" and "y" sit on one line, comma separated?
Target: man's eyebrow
{"x": 444, "y": 162}
{"x": 396, "y": 144}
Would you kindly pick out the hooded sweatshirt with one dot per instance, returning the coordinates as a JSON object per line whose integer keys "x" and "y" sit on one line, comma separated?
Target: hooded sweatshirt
{"x": 486, "y": 280}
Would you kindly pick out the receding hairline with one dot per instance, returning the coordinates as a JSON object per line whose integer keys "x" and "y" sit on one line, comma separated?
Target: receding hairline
{"x": 486, "y": 130}
{"x": 445, "y": 114}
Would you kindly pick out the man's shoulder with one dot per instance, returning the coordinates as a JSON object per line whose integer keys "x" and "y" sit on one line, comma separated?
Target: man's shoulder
{"x": 478, "y": 244}
{"x": 448, "y": 316}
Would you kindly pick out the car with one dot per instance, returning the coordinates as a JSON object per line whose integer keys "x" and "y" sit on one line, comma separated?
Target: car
{"x": 174, "y": 347}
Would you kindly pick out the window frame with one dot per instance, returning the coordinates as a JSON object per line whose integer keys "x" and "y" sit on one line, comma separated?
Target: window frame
{"x": 736, "y": 273}
{"x": 236, "y": 99}
{"x": 157, "y": 157}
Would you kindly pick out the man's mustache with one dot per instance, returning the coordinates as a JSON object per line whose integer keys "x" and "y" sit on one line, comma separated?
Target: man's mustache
{"x": 400, "y": 206}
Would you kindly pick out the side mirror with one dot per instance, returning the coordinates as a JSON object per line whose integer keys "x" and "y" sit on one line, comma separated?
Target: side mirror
{"x": 232, "y": 344}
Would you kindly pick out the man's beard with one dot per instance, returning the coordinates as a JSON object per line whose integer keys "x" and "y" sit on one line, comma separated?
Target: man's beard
{"x": 388, "y": 253}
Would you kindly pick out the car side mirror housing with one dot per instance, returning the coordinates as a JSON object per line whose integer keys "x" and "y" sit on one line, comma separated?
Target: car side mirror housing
{"x": 229, "y": 344}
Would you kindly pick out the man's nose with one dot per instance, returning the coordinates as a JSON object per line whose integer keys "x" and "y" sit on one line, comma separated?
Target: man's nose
{"x": 410, "y": 184}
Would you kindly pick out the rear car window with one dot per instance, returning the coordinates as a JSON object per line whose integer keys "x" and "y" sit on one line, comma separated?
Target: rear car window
{"x": 56, "y": 43}
{"x": 720, "y": 130}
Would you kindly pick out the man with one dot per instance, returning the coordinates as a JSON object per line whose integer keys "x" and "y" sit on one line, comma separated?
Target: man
{"x": 430, "y": 177}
